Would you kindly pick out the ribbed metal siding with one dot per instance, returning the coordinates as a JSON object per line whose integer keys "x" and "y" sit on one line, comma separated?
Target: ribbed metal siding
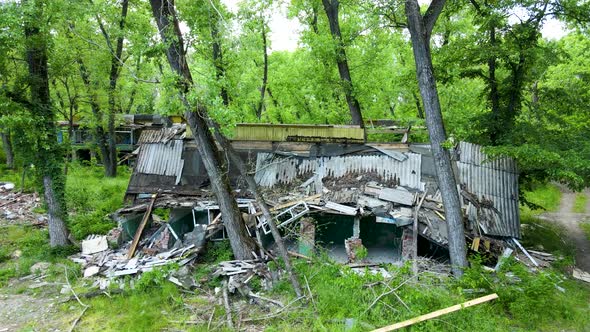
{"x": 496, "y": 181}
{"x": 282, "y": 170}
{"x": 162, "y": 135}
{"x": 161, "y": 159}
{"x": 472, "y": 154}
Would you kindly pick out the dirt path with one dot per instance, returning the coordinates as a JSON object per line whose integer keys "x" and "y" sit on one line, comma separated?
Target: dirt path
{"x": 570, "y": 221}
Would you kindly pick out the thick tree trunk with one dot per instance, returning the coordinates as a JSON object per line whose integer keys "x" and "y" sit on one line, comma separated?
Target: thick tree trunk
{"x": 7, "y": 145}
{"x": 242, "y": 244}
{"x": 260, "y": 107}
{"x": 420, "y": 29}
{"x": 331, "y": 8}
{"x": 111, "y": 167}
{"x": 48, "y": 160}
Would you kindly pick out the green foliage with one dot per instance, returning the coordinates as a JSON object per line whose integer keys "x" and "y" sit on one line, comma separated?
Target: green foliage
{"x": 155, "y": 278}
{"x": 580, "y": 203}
{"x": 92, "y": 197}
{"x": 542, "y": 197}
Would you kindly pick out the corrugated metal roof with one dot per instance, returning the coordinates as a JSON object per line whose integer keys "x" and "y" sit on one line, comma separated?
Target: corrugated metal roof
{"x": 495, "y": 181}
{"x": 161, "y": 135}
{"x": 472, "y": 154}
{"x": 271, "y": 169}
{"x": 161, "y": 159}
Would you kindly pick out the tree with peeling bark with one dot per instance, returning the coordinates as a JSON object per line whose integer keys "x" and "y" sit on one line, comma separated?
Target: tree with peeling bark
{"x": 421, "y": 27}
{"x": 197, "y": 117}
{"x": 331, "y": 9}
{"x": 48, "y": 160}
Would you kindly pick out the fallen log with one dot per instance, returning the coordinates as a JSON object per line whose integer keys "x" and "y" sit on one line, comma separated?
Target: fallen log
{"x": 437, "y": 313}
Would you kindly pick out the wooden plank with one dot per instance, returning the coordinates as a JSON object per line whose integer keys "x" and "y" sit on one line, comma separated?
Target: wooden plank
{"x": 137, "y": 236}
{"x": 437, "y": 313}
{"x": 397, "y": 196}
{"x": 286, "y": 205}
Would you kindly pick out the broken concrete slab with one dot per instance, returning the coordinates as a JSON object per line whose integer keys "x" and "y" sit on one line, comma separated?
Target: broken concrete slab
{"x": 400, "y": 196}
{"x": 94, "y": 244}
{"x": 581, "y": 275}
{"x": 348, "y": 210}
{"x": 91, "y": 271}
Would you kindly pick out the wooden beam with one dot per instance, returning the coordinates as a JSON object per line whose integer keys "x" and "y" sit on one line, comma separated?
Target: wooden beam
{"x": 437, "y": 313}
{"x": 137, "y": 236}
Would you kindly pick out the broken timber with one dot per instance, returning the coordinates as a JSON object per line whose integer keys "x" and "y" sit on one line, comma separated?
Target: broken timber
{"x": 437, "y": 313}
{"x": 137, "y": 236}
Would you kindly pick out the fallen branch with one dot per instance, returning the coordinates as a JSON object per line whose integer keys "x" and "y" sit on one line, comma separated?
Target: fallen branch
{"x": 437, "y": 313}
{"x": 78, "y": 319}
{"x": 274, "y": 314}
{"x": 229, "y": 321}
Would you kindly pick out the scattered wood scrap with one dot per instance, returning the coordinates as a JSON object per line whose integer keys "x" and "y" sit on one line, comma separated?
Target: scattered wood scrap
{"x": 437, "y": 313}
{"x": 581, "y": 275}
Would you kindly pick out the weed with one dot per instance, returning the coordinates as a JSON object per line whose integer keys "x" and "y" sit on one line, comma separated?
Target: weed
{"x": 585, "y": 226}
{"x": 155, "y": 278}
{"x": 547, "y": 196}
{"x": 580, "y": 203}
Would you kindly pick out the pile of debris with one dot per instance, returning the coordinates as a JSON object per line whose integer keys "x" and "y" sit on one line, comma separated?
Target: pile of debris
{"x": 19, "y": 207}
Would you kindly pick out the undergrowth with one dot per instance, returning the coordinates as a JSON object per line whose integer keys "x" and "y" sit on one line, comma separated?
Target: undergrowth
{"x": 580, "y": 203}
{"x": 92, "y": 197}
{"x": 547, "y": 196}
{"x": 585, "y": 226}
{"x": 23, "y": 246}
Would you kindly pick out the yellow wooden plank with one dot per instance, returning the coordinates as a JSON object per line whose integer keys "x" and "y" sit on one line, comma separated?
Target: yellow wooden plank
{"x": 437, "y": 313}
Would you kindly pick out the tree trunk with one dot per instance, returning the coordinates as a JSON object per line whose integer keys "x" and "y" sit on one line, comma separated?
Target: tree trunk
{"x": 218, "y": 57}
{"x": 7, "y": 145}
{"x": 48, "y": 159}
{"x": 100, "y": 136}
{"x": 111, "y": 167}
{"x": 260, "y": 107}
{"x": 167, "y": 22}
{"x": 331, "y": 8}
{"x": 420, "y": 30}
{"x": 253, "y": 187}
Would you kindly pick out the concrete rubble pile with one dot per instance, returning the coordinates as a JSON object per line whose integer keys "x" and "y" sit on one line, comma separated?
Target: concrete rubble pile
{"x": 18, "y": 207}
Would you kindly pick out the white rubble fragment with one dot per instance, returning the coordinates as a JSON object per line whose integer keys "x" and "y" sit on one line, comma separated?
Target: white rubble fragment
{"x": 94, "y": 244}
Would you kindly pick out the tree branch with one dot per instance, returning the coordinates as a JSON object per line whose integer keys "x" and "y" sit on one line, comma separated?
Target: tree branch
{"x": 432, "y": 14}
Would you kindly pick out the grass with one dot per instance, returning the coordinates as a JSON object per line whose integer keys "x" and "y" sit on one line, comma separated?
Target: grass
{"x": 545, "y": 196}
{"x": 91, "y": 197}
{"x": 585, "y": 226}
{"x": 580, "y": 203}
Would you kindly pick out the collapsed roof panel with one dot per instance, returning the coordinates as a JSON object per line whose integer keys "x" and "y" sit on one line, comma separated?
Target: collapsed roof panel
{"x": 272, "y": 169}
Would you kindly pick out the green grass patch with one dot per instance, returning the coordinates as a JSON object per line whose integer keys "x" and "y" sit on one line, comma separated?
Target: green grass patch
{"x": 546, "y": 196}
{"x": 92, "y": 197}
{"x": 580, "y": 203}
{"x": 585, "y": 226}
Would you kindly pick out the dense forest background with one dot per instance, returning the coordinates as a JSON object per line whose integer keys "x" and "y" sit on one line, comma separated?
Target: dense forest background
{"x": 501, "y": 84}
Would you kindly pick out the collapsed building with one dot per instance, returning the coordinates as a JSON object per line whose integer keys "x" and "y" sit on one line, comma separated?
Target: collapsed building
{"x": 327, "y": 188}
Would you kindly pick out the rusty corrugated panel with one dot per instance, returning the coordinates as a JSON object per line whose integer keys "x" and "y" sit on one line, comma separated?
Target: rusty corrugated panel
{"x": 272, "y": 169}
{"x": 161, "y": 135}
{"x": 161, "y": 159}
{"x": 496, "y": 182}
